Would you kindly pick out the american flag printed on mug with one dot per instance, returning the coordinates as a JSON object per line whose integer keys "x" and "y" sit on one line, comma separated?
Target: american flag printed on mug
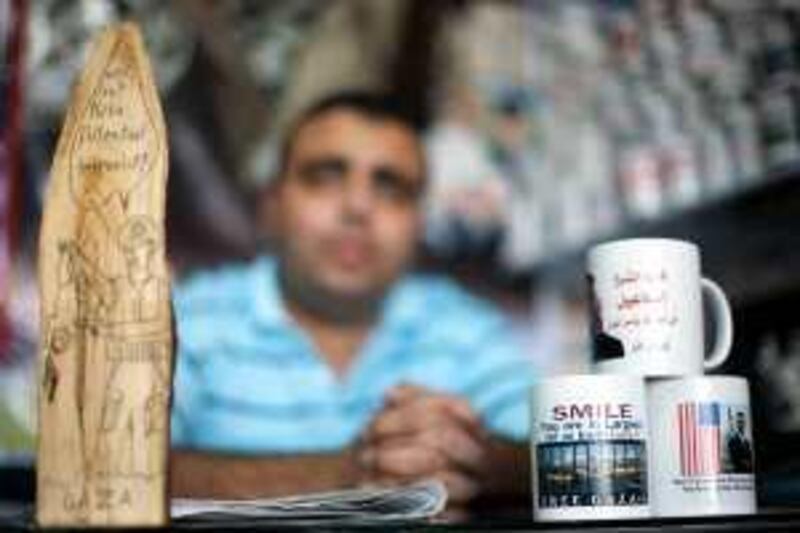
{"x": 700, "y": 440}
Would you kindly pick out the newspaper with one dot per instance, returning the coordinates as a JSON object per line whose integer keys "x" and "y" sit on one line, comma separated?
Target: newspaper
{"x": 368, "y": 505}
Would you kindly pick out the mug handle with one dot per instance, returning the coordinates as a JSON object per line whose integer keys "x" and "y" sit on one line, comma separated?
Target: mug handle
{"x": 724, "y": 321}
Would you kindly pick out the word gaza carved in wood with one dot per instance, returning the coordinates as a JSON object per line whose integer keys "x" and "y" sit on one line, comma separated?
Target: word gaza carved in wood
{"x": 106, "y": 347}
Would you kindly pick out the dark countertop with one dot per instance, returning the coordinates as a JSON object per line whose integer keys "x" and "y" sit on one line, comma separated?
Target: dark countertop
{"x": 15, "y": 516}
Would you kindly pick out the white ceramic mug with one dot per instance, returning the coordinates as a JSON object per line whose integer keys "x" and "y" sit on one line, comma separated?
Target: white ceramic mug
{"x": 702, "y": 460}
{"x": 589, "y": 448}
{"x": 647, "y": 309}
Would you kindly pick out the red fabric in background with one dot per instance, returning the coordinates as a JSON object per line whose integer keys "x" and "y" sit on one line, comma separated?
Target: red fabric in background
{"x": 12, "y": 70}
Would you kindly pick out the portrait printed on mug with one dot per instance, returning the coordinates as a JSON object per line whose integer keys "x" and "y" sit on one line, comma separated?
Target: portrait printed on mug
{"x": 714, "y": 438}
{"x": 705, "y": 463}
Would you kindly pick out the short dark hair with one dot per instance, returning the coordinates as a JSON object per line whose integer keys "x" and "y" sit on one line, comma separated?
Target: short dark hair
{"x": 376, "y": 105}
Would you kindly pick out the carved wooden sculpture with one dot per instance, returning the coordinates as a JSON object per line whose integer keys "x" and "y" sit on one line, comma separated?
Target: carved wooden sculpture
{"x": 106, "y": 350}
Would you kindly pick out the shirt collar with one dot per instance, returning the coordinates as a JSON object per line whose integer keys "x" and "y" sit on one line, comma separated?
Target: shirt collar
{"x": 268, "y": 308}
{"x": 402, "y": 306}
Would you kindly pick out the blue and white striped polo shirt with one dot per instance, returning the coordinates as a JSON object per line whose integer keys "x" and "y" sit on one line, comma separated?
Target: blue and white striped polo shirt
{"x": 249, "y": 380}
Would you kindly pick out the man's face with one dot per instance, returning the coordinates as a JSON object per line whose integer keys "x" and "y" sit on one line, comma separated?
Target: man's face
{"x": 348, "y": 203}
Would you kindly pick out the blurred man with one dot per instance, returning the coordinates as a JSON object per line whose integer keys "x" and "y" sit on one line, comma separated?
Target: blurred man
{"x": 330, "y": 366}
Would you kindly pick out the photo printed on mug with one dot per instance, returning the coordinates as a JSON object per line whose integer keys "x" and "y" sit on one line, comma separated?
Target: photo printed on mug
{"x": 589, "y": 448}
{"x": 702, "y": 462}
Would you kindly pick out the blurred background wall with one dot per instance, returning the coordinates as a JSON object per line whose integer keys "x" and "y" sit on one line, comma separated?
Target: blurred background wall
{"x": 549, "y": 125}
